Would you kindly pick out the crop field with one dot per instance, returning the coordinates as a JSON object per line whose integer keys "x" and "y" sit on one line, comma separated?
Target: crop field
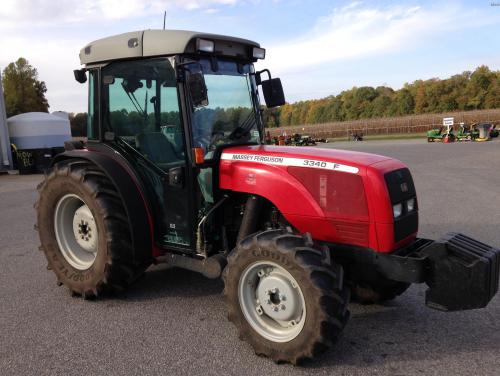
{"x": 388, "y": 126}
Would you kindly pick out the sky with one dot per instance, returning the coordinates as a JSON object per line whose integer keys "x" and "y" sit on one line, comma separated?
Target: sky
{"x": 317, "y": 48}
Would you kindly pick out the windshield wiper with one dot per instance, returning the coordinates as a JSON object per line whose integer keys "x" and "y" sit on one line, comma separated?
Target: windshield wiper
{"x": 135, "y": 102}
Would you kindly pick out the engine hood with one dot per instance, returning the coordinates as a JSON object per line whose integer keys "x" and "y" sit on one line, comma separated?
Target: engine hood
{"x": 343, "y": 160}
{"x": 337, "y": 196}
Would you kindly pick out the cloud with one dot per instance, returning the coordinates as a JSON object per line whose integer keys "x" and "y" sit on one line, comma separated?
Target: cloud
{"x": 211, "y": 10}
{"x": 357, "y": 31}
{"x": 22, "y": 13}
{"x": 50, "y": 34}
{"x": 54, "y": 61}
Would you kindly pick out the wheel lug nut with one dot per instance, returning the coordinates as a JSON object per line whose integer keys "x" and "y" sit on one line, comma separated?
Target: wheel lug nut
{"x": 282, "y": 307}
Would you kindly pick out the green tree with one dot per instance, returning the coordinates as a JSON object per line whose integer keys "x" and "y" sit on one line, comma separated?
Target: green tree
{"x": 477, "y": 87}
{"x": 22, "y": 89}
{"x": 405, "y": 102}
{"x": 78, "y": 124}
{"x": 492, "y": 98}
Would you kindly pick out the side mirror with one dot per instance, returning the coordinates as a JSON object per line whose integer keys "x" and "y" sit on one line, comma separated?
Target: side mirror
{"x": 80, "y": 75}
{"x": 198, "y": 89}
{"x": 273, "y": 92}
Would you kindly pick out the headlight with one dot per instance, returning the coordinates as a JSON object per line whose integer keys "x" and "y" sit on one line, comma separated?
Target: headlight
{"x": 397, "y": 210}
{"x": 410, "y": 205}
{"x": 204, "y": 45}
{"x": 259, "y": 53}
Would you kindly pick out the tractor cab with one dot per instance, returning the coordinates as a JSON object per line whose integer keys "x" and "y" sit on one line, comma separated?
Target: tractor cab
{"x": 170, "y": 116}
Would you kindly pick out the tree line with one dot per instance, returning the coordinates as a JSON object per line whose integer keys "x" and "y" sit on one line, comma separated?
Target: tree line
{"x": 475, "y": 90}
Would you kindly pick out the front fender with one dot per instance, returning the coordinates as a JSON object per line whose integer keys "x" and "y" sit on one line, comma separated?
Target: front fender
{"x": 273, "y": 183}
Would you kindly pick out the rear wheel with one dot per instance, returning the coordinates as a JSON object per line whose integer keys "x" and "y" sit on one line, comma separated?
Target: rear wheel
{"x": 284, "y": 298}
{"x": 84, "y": 230}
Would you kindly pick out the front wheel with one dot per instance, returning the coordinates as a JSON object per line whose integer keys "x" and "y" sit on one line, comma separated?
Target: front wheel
{"x": 285, "y": 299}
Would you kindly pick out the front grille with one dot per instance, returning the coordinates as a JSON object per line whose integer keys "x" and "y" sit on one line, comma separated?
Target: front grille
{"x": 405, "y": 226}
{"x": 401, "y": 189}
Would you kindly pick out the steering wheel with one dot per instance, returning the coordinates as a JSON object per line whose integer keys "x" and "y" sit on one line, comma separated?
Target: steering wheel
{"x": 217, "y": 137}
{"x": 238, "y": 132}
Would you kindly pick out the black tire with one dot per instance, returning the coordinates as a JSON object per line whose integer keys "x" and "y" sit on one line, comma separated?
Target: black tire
{"x": 112, "y": 269}
{"x": 379, "y": 291}
{"x": 325, "y": 296}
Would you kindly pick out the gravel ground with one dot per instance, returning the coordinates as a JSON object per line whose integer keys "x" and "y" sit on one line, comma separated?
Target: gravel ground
{"x": 174, "y": 322}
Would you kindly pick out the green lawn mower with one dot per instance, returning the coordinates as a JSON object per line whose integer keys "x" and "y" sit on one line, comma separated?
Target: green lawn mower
{"x": 443, "y": 134}
{"x": 467, "y": 132}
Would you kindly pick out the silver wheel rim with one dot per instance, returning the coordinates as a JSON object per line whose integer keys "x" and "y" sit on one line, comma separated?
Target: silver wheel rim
{"x": 76, "y": 231}
{"x": 271, "y": 301}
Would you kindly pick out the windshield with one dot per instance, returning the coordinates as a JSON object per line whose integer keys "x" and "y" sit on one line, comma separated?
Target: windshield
{"x": 230, "y": 116}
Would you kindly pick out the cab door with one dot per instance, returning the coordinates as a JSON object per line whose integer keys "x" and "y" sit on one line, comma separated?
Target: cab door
{"x": 141, "y": 115}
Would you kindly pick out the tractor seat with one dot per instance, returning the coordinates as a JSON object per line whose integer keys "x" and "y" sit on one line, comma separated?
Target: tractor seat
{"x": 156, "y": 147}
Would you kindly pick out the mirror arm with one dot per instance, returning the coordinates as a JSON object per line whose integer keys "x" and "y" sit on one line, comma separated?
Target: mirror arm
{"x": 258, "y": 78}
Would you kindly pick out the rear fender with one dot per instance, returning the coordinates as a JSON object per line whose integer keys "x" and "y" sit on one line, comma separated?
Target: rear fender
{"x": 132, "y": 194}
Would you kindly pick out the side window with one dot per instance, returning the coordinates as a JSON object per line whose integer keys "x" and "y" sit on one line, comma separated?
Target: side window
{"x": 141, "y": 107}
{"x": 92, "y": 114}
{"x": 170, "y": 120}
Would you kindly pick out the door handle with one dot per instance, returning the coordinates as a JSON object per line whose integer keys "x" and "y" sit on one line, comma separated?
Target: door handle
{"x": 176, "y": 177}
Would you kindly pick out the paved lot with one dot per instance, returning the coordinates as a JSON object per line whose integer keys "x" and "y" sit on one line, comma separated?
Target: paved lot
{"x": 174, "y": 322}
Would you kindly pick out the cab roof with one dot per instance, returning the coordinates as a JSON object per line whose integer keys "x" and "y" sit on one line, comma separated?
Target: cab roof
{"x": 147, "y": 43}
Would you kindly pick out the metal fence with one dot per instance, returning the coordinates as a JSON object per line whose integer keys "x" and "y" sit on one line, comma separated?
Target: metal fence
{"x": 386, "y": 126}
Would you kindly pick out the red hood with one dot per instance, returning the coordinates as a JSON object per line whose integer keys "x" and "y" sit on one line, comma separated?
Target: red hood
{"x": 352, "y": 158}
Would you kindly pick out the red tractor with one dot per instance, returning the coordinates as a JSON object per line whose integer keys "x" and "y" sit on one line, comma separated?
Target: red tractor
{"x": 175, "y": 171}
